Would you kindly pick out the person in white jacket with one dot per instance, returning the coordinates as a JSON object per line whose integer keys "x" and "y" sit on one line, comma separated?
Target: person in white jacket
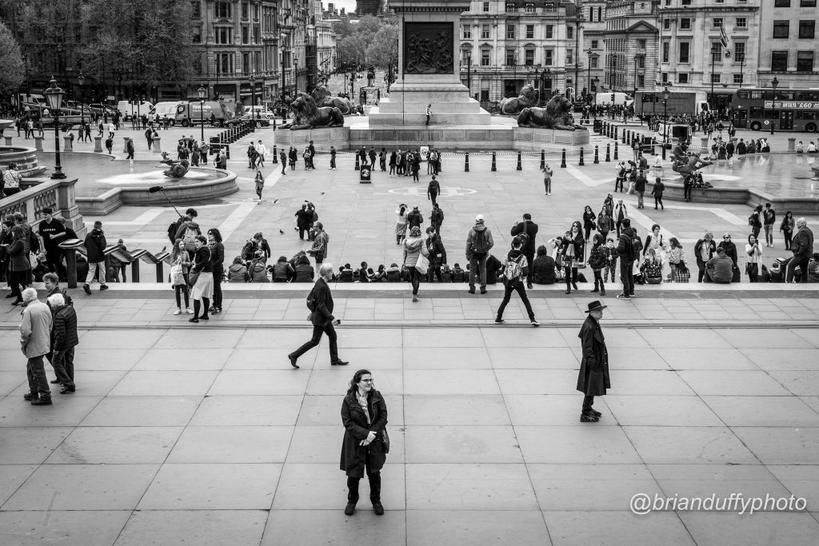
{"x": 260, "y": 147}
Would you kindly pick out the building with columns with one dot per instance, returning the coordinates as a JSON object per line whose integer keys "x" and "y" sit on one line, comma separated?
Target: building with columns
{"x": 631, "y": 45}
{"x": 787, "y": 44}
{"x": 507, "y": 44}
{"x": 594, "y": 45}
{"x": 694, "y": 54}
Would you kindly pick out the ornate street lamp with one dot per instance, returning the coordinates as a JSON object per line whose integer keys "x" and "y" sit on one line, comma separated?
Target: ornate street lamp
{"x": 253, "y": 98}
{"x": 54, "y": 96}
{"x": 666, "y": 96}
{"x": 81, "y": 80}
{"x": 774, "y": 84}
{"x": 203, "y": 93}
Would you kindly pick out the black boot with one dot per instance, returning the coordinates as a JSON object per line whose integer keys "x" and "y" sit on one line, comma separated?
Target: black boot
{"x": 43, "y": 400}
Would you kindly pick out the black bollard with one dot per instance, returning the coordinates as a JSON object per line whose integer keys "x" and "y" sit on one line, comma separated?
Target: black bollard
{"x": 466, "y": 162}
{"x": 71, "y": 266}
{"x": 616, "y": 157}
{"x": 227, "y": 151}
{"x": 275, "y": 155}
{"x": 608, "y": 152}
{"x": 615, "y": 133}
{"x": 596, "y": 158}
{"x": 519, "y": 166}
{"x": 542, "y": 159}
{"x": 494, "y": 167}
{"x": 357, "y": 164}
{"x": 663, "y": 151}
{"x": 563, "y": 159}
{"x": 581, "y": 157}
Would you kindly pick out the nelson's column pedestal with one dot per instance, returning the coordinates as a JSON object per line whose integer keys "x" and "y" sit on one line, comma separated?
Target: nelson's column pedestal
{"x": 429, "y": 69}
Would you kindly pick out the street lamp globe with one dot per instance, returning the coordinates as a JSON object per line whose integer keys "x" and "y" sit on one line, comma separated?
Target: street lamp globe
{"x": 54, "y": 95}
{"x": 666, "y": 93}
{"x": 202, "y": 92}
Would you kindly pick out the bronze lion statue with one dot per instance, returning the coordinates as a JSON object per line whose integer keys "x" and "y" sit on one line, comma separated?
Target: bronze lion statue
{"x": 513, "y": 105}
{"x": 323, "y": 97}
{"x": 309, "y": 116}
{"x": 556, "y": 115}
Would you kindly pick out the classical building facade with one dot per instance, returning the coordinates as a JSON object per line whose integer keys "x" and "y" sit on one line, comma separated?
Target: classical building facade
{"x": 505, "y": 45}
{"x": 594, "y": 46}
{"x": 710, "y": 46}
{"x": 787, "y": 43}
{"x": 631, "y": 45}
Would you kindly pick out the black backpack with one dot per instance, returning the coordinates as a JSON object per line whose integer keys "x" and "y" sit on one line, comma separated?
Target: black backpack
{"x": 480, "y": 245}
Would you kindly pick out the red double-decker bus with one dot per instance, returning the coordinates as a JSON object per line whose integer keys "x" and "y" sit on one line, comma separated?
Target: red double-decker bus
{"x": 787, "y": 109}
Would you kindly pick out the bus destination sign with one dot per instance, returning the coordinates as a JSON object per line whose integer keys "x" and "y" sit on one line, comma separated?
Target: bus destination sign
{"x": 791, "y": 105}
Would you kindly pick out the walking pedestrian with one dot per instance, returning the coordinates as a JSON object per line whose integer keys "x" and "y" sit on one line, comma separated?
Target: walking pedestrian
{"x": 332, "y": 158}
{"x": 657, "y": 192}
{"x": 478, "y": 243}
{"x": 180, "y": 265}
{"x": 620, "y": 215}
{"x": 35, "y": 341}
{"x": 436, "y": 253}
{"x": 401, "y": 224}
{"x": 283, "y": 158}
{"x": 320, "y": 242}
{"x": 572, "y": 251}
{"x": 626, "y": 254}
{"x": 320, "y": 305}
{"x": 588, "y": 222}
{"x": 597, "y": 262}
{"x": 366, "y": 443}
{"x": 516, "y": 268}
{"x": 433, "y": 190}
{"x": 769, "y": 219}
{"x": 593, "y": 378}
{"x": 262, "y": 151}
{"x": 63, "y": 340}
{"x": 259, "y": 180}
{"x": 95, "y": 244}
{"x": 640, "y": 188}
{"x": 201, "y": 280}
{"x": 436, "y": 218}
{"x": 414, "y": 249}
{"x": 52, "y": 232}
{"x": 428, "y": 113}
{"x": 217, "y": 263}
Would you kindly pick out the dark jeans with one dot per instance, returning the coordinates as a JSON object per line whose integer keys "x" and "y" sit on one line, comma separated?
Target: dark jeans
{"x": 518, "y": 287}
{"x": 753, "y": 272}
{"x": 530, "y": 259}
{"x": 415, "y": 280}
{"x": 768, "y": 234}
{"x": 374, "y": 476}
{"x": 658, "y": 200}
{"x": 182, "y": 289}
{"x": 598, "y": 280}
{"x": 571, "y": 276}
{"x": 477, "y": 267}
{"x": 687, "y": 192}
{"x": 433, "y": 197}
{"x": 63, "y": 364}
{"x": 625, "y": 276}
{"x": 788, "y": 238}
{"x": 701, "y": 267}
{"x": 18, "y": 280}
{"x": 802, "y": 262}
{"x": 317, "y": 331}
{"x": 434, "y": 272}
{"x": 37, "y": 381}
{"x": 217, "y": 290}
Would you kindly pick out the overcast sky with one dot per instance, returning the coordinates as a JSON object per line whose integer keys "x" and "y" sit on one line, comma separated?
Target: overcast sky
{"x": 348, "y": 5}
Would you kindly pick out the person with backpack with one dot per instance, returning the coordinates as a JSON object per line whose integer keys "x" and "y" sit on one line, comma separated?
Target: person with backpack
{"x": 597, "y": 262}
{"x": 414, "y": 249}
{"x": 625, "y": 252}
{"x": 769, "y": 219}
{"x": 320, "y": 305}
{"x": 515, "y": 269}
{"x": 755, "y": 221}
{"x": 95, "y": 251}
{"x": 657, "y": 192}
{"x": 478, "y": 243}
{"x": 620, "y": 214}
{"x": 528, "y": 229}
{"x": 320, "y": 242}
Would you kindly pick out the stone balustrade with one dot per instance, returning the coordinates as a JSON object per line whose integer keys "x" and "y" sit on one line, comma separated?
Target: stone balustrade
{"x": 59, "y": 195}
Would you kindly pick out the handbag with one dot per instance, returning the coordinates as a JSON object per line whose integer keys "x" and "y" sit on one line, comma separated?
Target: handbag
{"x": 193, "y": 276}
{"x": 385, "y": 440}
{"x": 422, "y": 264}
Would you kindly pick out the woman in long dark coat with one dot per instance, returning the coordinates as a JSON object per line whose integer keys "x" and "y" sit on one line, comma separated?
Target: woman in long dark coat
{"x": 365, "y": 445}
{"x": 593, "y": 379}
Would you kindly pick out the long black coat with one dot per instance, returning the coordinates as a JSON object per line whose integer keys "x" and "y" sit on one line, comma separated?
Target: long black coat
{"x": 593, "y": 379}
{"x": 324, "y": 303}
{"x": 356, "y": 429}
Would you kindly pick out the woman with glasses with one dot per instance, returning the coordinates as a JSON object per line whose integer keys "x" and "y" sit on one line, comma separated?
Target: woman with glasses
{"x": 366, "y": 444}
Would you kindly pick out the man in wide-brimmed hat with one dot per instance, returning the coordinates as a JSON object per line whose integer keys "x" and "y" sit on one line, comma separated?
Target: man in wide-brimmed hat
{"x": 593, "y": 379}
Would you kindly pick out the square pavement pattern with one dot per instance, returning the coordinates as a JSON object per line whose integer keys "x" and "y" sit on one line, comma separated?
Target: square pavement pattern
{"x": 206, "y": 436}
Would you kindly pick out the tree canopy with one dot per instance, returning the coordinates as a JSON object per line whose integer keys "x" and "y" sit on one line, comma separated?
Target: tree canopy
{"x": 368, "y": 41}
{"x": 11, "y": 62}
{"x": 383, "y": 50}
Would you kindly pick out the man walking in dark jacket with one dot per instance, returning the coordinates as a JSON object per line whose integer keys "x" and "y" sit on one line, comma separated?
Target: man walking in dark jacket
{"x": 433, "y": 190}
{"x": 593, "y": 378}
{"x": 320, "y": 304}
{"x": 625, "y": 251}
{"x": 529, "y": 229}
{"x": 53, "y": 232}
{"x": 436, "y": 218}
{"x": 95, "y": 248}
{"x": 437, "y": 254}
{"x": 640, "y": 187}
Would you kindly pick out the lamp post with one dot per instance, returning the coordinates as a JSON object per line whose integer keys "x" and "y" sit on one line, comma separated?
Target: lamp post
{"x": 253, "y": 99}
{"x": 202, "y": 94}
{"x": 468, "y": 73}
{"x": 54, "y": 96}
{"x": 595, "y": 81}
{"x": 774, "y": 84}
{"x": 666, "y": 96}
{"x": 81, "y": 80}
{"x": 588, "y": 74}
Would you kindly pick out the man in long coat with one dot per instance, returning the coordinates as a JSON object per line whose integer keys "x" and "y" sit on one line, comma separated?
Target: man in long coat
{"x": 593, "y": 379}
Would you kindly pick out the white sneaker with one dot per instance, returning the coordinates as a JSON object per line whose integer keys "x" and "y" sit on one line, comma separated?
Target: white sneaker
{"x": 178, "y": 312}
{"x": 190, "y": 311}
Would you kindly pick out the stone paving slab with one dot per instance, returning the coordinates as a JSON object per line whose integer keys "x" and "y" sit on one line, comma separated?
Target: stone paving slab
{"x": 487, "y": 447}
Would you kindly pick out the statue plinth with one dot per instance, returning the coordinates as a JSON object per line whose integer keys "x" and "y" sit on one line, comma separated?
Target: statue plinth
{"x": 429, "y": 69}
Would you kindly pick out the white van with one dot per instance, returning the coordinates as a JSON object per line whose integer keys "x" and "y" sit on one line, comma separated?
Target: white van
{"x": 167, "y": 109}
{"x": 620, "y": 99}
{"x": 125, "y": 108}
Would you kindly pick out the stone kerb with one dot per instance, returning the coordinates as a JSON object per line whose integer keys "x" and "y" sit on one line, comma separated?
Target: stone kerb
{"x": 739, "y": 196}
{"x": 322, "y": 138}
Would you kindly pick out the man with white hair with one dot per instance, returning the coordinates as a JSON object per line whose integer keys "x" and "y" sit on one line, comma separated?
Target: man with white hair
{"x": 35, "y": 341}
{"x": 320, "y": 304}
{"x": 63, "y": 340}
{"x": 802, "y": 248}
